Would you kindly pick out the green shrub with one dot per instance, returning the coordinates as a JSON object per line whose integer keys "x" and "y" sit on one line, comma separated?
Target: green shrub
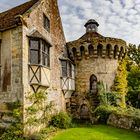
{"x": 61, "y": 120}
{"x": 2, "y": 130}
{"x": 110, "y": 98}
{"x": 44, "y": 133}
{"x": 131, "y": 111}
{"x": 132, "y": 98}
{"x": 14, "y": 132}
{"x": 102, "y": 113}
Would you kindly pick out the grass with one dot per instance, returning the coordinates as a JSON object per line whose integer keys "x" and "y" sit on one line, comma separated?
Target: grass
{"x": 96, "y": 132}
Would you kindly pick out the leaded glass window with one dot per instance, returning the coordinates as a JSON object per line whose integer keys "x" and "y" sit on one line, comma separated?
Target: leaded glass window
{"x": 64, "y": 68}
{"x": 46, "y": 23}
{"x": 34, "y": 51}
{"x": 39, "y": 52}
{"x": 45, "y": 54}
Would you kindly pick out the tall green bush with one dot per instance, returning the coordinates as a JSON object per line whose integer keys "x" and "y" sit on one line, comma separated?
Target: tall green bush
{"x": 120, "y": 82}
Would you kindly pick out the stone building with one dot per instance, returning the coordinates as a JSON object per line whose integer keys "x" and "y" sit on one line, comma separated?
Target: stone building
{"x": 96, "y": 60}
{"x": 32, "y": 53}
{"x": 34, "y": 56}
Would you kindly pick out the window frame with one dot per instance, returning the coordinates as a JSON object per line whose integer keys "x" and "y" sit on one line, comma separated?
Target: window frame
{"x": 45, "y": 54}
{"x": 68, "y": 69}
{"x": 31, "y": 49}
{"x": 64, "y": 67}
{"x": 41, "y": 52}
{"x": 46, "y": 22}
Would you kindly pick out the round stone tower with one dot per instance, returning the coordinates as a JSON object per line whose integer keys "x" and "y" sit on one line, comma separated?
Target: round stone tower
{"x": 96, "y": 60}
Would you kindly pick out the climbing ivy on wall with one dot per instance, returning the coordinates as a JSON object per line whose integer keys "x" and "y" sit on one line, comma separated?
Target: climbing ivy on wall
{"x": 120, "y": 82}
{"x": 38, "y": 112}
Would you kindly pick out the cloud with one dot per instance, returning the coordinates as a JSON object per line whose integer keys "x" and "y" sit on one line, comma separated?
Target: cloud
{"x": 6, "y": 4}
{"x": 117, "y": 18}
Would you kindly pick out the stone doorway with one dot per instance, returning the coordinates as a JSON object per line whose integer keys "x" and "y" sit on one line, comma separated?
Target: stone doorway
{"x": 93, "y": 91}
{"x": 84, "y": 112}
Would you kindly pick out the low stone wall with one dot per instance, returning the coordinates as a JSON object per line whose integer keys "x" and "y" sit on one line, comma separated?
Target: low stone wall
{"x": 123, "y": 121}
{"x": 6, "y": 116}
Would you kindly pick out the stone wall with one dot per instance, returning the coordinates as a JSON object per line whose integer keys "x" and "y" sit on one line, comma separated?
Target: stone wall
{"x": 34, "y": 22}
{"x": 123, "y": 121}
{"x": 11, "y": 85}
{"x": 11, "y": 80}
{"x": 15, "y": 56}
{"x": 96, "y": 61}
{"x": 103, "y": 69}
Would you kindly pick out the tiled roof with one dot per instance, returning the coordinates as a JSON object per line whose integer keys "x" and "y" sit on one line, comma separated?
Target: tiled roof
{"x": 7, "y": 18}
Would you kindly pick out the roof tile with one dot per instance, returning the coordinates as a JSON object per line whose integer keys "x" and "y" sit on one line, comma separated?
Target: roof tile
{"x": 7, "y": 18}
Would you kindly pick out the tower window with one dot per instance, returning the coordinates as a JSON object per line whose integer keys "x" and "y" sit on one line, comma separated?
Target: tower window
{"x": 90, "y": 49}
{"x": 108, "y": 50}
{"x": 46, "y": 23}
{"x": 99, "y": 50}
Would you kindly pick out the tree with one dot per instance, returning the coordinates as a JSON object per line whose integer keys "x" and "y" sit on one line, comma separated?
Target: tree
{"x": 134, "y": 53}
{"x": 133, "y": 68}
{"x": 134, "y": 85}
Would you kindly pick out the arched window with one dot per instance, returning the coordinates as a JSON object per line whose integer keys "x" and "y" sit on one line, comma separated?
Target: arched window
{"x": 108, "y": 50}
{"x": 74, "y": 52}
{"x": 82, "y": 50}
{"x": 93, "y": 84}
{"x": 121, "y": 52}
{"x": 116, "y": 49}
{"x": 99, "y": 50}
{"x": 90, "y": 49}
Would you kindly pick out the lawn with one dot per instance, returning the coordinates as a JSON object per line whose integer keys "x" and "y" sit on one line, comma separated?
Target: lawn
{"x": 96, "y": 132}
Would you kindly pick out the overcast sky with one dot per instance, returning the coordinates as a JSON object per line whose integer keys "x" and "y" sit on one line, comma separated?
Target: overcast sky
{"x": 117, "y": 18}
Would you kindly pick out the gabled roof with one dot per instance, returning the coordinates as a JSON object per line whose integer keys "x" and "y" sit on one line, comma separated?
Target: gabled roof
{"x": 7, "y": 18}
{"x": 37, "y": 34}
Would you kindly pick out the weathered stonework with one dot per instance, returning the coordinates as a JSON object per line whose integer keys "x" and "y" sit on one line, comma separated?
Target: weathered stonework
{"x": 90, "y": 59}
{"x": 11, "y": 87}
{"x": 123, "y": 121}
{"x": 15, "y": 85}
{"x": 95, "y": 57}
